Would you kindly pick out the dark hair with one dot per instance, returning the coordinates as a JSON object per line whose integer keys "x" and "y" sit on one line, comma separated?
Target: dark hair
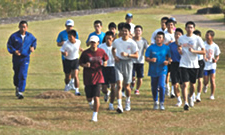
{"x": 197, "y": 32}
{"x": 98, "y": 22}
{"x": 164, "y": 18}
{"x": 212, "y": 33}
{"x": 126, "y": 26}
{"x": 190, "y": 23}
{"x": 169, "y": 21}
{"x": 161, "y": 33}
{"x": 179, "y": 30}
{"x": 23, "y": 22}
{"x": 109, "y": 33}
{"x": 120, "y": 25}
{"x": 138, "y": 26}
{"x": 72, "y": 32}
{"x": 112, "y": 25}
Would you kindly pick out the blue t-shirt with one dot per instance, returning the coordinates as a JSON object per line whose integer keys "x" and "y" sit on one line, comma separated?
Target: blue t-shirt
{"x": 175, "y": 56}
{"x": 63, "y": 36}
{"x": 100, "y": 36}
{"x": 160, "y": 53}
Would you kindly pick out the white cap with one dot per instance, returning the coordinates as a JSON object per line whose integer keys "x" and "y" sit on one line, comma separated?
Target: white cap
{"x": 94, "y": 39}
{"x": 69, "y": 22}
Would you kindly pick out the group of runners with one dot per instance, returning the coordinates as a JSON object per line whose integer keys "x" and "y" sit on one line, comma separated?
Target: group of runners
{"x": 113, "y": 59}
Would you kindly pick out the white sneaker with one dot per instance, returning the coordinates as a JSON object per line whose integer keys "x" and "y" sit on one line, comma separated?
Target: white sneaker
{"x": 111, "y": 106}
{"x": 179, "y": 103}
{"x": 193, "y": 97}
{"x": 119, "y": 109}
{"x": 162, "y": 106}
{"x": 212, "y": 97}
{"x": 94, "y": 118}
{"x": 205, "y": 89}
{"x": 156, "y": 105}
{"x": 127, "y": 108}
{"x": 123, "y": 94}
{"x": 198, "y": 98}
{"x": 67, "y": 87}
{"x": 191, "y": 101}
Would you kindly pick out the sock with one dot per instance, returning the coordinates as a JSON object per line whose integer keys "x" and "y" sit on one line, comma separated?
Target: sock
{"x": 72, "y": 80}
{"x": 77, "y": 90}
{"x": 198, "y": 94}
{"x": 128, "y": 99}
{"x": 119, "y": 102}
{"x": 186, "y": 103}
{"x": 95, "y": 115}
{"x": 90, "y": 103}
{"x": 108, "y": 93}
{"x": 110, "y": 104}
{"x": 167, "y": 85}
{"x": 179, "y": 99}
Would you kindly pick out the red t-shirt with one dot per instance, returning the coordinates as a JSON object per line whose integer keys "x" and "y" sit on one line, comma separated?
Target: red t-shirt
{"x": 93, "y": 75}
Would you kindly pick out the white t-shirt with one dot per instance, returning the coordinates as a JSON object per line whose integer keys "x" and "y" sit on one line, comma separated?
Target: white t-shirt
{"x": 142, "y": 45}
{"x": 23, "y": 36}
{"x": 189, "y": 59}
{"x": 200, "y": 56}
{"x": 169, "y": 37}
{"x": 129, "y": 46}
{"x": 108, "y": 51}
{"x": 211, "y": 51}
{"x": 155, "y": 33}
{"x": 72, "y": 49}
{"x": 132, "y": 28}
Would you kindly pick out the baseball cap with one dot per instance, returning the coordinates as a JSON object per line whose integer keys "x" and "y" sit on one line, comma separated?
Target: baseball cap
{"x": 129, "y": 15}
{"x": 69, "y": 22}
{"x": 94, "y": 39}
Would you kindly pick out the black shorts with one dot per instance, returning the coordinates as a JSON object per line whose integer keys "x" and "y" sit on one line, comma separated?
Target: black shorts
{"x": 175, "y": 73}
{"x": 109, "y": 75}
{"x": 169, "y": 67}
{"x": 139, "y": 68}
{"x": 201, "y": 68}
{"x": 69, "y": 65}
{"x": 92, "y": 90}
{"x": 188, "y": 74}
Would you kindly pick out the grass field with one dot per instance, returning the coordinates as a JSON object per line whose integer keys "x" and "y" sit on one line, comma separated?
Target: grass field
{"x": 38, "y": 116}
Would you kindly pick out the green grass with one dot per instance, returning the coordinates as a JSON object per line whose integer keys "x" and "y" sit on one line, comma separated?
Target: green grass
{"x": 216, "y": 17}
{"x": 72, "y": 116}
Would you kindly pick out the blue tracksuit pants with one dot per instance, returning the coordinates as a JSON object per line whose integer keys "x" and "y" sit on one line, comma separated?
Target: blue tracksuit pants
{"x": 20, "y": 67}
{"x": 158, "y": 82}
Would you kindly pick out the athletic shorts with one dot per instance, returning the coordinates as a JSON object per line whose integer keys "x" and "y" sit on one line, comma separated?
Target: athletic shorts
{"x": 175, "y": 73}
{"x": 109, "y": 75}
{"x": 169, "y": 67}
{"x": 69, "y": 65}
{"x": 208, "y": 72}
{"x": 139, "y": 69}
{"x": 123, "y": 70}
{"x": 188, "y": 74}
{"x": 92, "y": 91}
{"x": 201, "y": 68}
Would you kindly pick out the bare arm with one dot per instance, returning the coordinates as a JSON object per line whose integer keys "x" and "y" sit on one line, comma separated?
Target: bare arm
{"x": 216, "y": 59}
{"x": 114, "y": 55}
{"x": 150, "y": 59}
{"x": 87, "y": 65}
{"x": 197, "y": 51}
{"x": 133, "y": 55}
{"x": 60, "y": 44}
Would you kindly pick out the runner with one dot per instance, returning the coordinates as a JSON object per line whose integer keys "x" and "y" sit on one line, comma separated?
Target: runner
{"x": 109, "y": 70}
{"x": 175, "y": 71}
{"x": 124, "y": 49}
{"x": 98, "y": 32}
{"x": 62, "y": 37}
{"x": 163, "y": 29}
{"x": 158, "y": 56}
{"x": 211, "y": 58}
{"x": 138, "y": 64}
{"x": 129, "y": 19}
{"x": 70, "y": 50}
{"x": 20, "y": 45}
{"x": 188, "y": 48}
{"x": 200, "y": 73}
{"x": 92, "y": 60}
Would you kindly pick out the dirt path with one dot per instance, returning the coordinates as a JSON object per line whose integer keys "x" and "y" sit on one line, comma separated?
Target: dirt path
{"x": 200, "y": 21}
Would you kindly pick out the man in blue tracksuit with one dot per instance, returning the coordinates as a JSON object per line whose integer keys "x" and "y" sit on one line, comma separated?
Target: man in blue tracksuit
{"x": 158, "y": 55}
{"x": 20, "y": 45}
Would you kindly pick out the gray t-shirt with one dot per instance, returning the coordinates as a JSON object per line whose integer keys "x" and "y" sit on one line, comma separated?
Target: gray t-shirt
{"x": 142, "y": 45}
